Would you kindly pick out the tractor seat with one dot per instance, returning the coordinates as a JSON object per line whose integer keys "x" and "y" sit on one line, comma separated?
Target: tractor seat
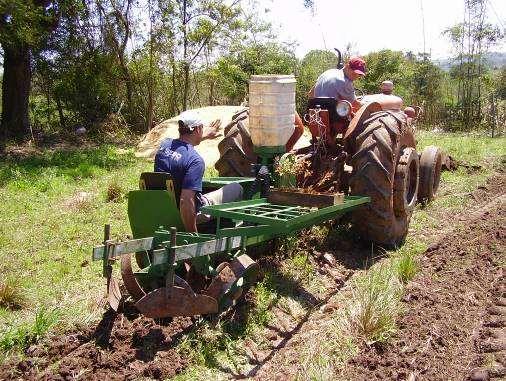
{"x": 325, "y": 104}
{"x": 155, "y": 204}
{"x": 160, "y": 181}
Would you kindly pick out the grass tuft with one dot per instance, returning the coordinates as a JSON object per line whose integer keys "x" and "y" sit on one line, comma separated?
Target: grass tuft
{"x": 11, "y": 297}
{"x": 406, "y": 266}
{"x": 114, "y": 192}
{"x": 23, "y": 335}
{"x": 376, "y": 304}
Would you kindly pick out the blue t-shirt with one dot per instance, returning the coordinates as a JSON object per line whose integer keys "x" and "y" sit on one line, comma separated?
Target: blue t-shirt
{"x": 334, "y": 84}
{"x": 184, "y": 163}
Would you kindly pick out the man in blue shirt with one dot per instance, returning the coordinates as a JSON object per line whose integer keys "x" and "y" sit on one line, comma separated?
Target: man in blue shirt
{"x": 179, "y": 158}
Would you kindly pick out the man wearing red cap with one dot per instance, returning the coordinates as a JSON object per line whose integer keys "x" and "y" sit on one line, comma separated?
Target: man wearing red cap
{"x": 336, "y": 83}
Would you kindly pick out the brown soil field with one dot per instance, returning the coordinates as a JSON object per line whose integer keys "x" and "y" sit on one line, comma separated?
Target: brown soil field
{"x": 452, "y": 327}
{"x": 454, "y": 324}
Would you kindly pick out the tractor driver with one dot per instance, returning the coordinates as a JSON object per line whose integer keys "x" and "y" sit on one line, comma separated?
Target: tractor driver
{"x": 179, "y": 158}
{"x": 338, "y": 83}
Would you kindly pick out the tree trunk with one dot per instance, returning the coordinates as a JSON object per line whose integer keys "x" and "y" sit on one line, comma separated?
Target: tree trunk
{"x": 15, "y": 92}
{"x": 186, "y": 84}
{"x": 59, "y": 106}
{"x": 186, "y": 64}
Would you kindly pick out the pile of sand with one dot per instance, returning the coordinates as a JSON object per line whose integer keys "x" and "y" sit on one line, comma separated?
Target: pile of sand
{"x": 208, "y": 149}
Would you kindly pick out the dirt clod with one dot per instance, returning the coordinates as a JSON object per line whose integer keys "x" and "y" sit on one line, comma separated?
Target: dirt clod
{"x": 479, "y": 375}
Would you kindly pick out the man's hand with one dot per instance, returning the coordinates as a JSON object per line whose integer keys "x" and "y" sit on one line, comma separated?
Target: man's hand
{"x": 213, "y": 130}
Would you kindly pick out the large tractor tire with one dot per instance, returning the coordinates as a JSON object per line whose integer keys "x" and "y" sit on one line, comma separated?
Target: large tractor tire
{"x": 385, "y": 168}
{"x": 431, "y": 161}
{"x": 236, "y": 148}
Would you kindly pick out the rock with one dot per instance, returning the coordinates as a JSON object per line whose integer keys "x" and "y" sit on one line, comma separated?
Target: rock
{"x": 479, "y": 375}
{"x": 80, "y": 130}
{"x": 329, "y": 258}
{"x": 433, "y": 247}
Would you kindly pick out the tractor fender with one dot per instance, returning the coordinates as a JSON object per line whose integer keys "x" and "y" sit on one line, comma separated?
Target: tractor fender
{"x": 361, "y": 115}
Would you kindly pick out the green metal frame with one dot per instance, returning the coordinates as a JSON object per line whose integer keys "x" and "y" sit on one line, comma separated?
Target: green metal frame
{"x": 267, "y": 154}
{"x": 218, "y": 182}
{"x": 257, "y": 221}
{"x": 161, "y": 245}
{"x": 150, "y": 209}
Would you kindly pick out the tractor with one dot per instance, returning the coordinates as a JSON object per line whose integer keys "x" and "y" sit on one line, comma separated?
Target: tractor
{"x": 368, "y": 157}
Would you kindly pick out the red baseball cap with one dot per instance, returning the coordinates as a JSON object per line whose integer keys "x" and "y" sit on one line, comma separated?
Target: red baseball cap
{"x": 357, "y": 64}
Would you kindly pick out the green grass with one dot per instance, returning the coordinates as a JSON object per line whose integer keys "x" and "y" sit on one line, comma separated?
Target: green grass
{"x": 20, "y": 336}
{"x": 54, "y": 206}
{"x": 375, "y": 303}
{"x": 53, "y": 210}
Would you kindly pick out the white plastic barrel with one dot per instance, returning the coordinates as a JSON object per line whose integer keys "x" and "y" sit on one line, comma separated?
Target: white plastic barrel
{"x": 271, "y": 109}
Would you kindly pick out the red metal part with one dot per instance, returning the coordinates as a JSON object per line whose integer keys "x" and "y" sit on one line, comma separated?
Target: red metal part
{"x": 129, "y": 280}
{"x": 175, "y": 301}
{"x": 243, "y": 265}
{"x": 221, "y": 282}
{"x": 321, "y": 127}
{"x": 113, "y": 292}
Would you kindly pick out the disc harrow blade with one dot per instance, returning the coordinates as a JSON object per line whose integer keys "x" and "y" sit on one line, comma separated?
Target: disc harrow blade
{"x": 244, "y": 266}
{"x": 175, "y": 301}
{"x": 129, "y": 279}
{"x": 113, "y": 293}
{"x": 222, "y": 282}
{"x": 227, "y": 286}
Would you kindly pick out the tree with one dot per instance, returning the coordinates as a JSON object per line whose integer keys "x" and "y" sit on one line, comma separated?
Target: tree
{"x": 312, "y": 65}
{"x": 197, "y": 26}
{"x": 471, "y": 39}
{"x": 24, "y": 27}
{"x": 501, "y": 84}
{"x": 233, "y": 71}
{"x": 387, "y": 65}
{"x": 117, "y": 31}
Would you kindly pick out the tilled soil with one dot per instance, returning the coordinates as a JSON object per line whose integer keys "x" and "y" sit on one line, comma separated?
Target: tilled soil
{"x": 120, "y": 347}
{"x": 454, "y": 324}
{"x": 447, "y": 306}
{"x": 453, "y": 327}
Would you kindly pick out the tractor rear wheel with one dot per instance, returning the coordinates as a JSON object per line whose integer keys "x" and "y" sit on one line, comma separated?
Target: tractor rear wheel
{"x": 385, "y": 168}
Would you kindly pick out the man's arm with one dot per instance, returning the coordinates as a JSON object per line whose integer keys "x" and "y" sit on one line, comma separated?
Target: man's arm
{"x": 310, "y": 94}
{"x": 187, "y": 209}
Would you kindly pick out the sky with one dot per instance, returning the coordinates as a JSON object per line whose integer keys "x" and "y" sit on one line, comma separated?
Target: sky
{"x": 371, "y": 25}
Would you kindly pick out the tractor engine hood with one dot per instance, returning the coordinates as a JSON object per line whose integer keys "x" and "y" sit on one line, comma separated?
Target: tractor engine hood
{"x": 387, "y": 102}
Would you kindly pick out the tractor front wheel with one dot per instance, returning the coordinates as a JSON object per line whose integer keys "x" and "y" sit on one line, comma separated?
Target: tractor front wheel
{"x": 431, "y": 160}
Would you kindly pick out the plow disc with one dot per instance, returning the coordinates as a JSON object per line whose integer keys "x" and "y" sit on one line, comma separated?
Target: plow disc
{"x": 180, "y": 299}
{"x": 113, "y": 293}
{"x": 175, "y": 301}
{"x": 129, "y": 279}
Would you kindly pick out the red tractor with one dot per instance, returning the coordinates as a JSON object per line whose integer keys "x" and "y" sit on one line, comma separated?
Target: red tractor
{"x": 370, "y": 152}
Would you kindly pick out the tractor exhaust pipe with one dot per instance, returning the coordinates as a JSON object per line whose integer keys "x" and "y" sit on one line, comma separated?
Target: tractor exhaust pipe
{"x": 340, "y": 63}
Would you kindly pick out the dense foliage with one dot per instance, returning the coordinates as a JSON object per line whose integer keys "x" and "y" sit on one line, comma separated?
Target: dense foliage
{"x": 70, "y": 63}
